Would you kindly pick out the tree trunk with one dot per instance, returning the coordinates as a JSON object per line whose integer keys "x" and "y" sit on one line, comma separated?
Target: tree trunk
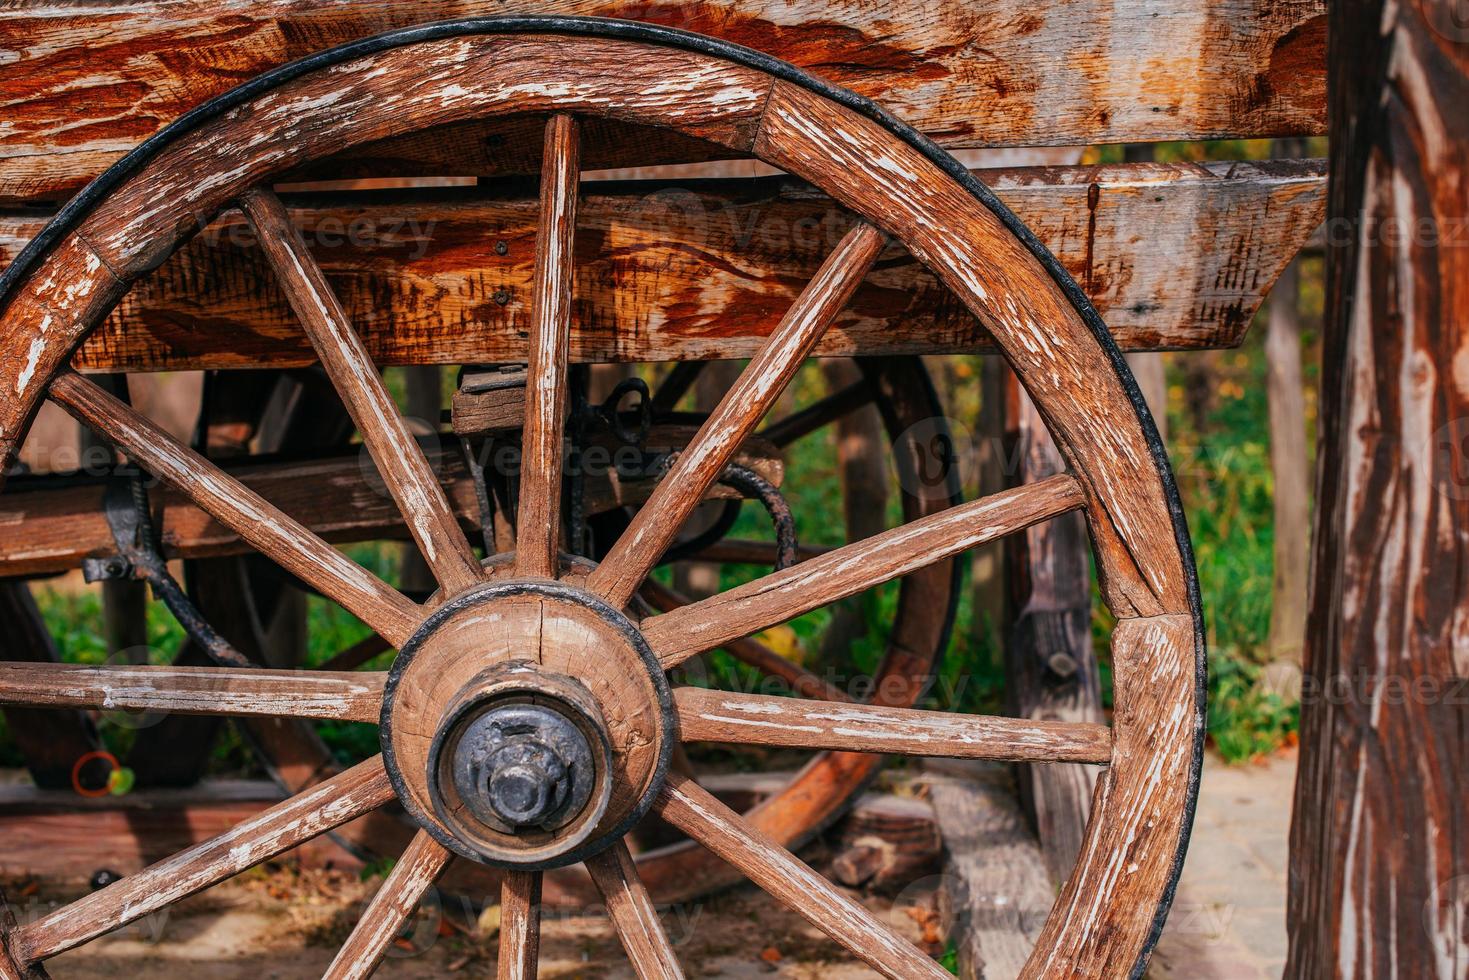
{"x": 1380, "y": 841}
{"x": 1050, "y": 669}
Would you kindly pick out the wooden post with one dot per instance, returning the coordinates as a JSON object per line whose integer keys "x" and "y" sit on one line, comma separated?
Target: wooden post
{"x": 1050, "y": 669}
{"x": 1380, "y": 841}
{"x": 1289, "y": 456}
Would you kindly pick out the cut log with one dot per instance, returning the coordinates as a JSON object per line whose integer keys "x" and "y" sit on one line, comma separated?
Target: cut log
{"x": 1173, "y": 255}
{"x": 996, "y": 887}
{"x": 886, "y": 842}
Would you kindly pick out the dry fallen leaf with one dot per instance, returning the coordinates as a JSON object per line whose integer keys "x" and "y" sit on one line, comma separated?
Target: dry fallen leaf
{"x": 489, "y": 922}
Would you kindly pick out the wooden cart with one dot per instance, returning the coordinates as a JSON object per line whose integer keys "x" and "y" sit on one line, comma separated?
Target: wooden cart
{"x": 528, "y": 722}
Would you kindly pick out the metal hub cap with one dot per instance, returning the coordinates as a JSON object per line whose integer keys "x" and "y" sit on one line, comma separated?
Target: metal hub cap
{"x": 523, "y": 765}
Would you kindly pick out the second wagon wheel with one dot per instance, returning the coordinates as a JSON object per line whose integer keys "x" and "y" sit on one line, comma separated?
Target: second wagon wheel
{"x": 527, "y": 722}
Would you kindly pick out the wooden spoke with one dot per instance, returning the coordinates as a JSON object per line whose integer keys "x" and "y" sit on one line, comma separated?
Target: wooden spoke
{"x": 357, "y": 654}
{"x": 754, "y": 719}
{"x": 854, "y": 568}
{"x": 680, "y": 379}
{"x": 394, "y": 903}
{"x": 520, "y": 925}
{"x": 399, "y": 459}
{"x": 632, "y": 913}
{"x": 694, "y": 811}
{"x": 240, "y": 509}
{"x": 739, "y": 551}
{"x": 741, "y": 409}
{"x": 538, "y": 517}
{"x": 751, "y": 651}
{"x": 328, "y": 805}
{"x": 344, "y": 695}
{"x": 785, "y": 431}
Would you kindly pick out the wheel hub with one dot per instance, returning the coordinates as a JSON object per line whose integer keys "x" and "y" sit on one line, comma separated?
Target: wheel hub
{"x": 523, "y": 766}
{"x": 527, "y": 725}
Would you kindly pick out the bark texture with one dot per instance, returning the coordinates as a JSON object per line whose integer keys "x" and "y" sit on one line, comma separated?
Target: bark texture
{"x": 1380, "y": 843}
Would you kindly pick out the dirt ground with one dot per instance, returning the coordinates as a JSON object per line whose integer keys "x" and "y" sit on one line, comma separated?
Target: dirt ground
{"x": 284, "y": 921}
{"x": 287, "y": 923}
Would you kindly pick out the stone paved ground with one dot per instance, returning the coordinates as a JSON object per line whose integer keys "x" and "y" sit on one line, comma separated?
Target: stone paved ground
{"x": 1228, "y": 921}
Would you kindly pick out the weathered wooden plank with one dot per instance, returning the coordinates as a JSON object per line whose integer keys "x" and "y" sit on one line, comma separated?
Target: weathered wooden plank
{"x": 995, "y": 891}
{"x": 1174, "y": 255}
{"x": 52, "y": 524}
{"x": 85, "y": 81}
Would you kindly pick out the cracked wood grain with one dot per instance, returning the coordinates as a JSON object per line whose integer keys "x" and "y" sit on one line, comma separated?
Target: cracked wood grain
{"x": 399, "y": 459}
{"x": 341, "y": 695}
{"x": 520, "y": 925}
{"x": 87, "y": 83}
{"x": 538, "y": 516}
{"x": 754, "y": 719}
{"x": 1174, "y": 256}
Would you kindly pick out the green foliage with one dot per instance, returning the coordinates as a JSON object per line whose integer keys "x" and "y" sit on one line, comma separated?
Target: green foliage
{"x": 949, "y": 959}
{"x": 1219, "y": 443}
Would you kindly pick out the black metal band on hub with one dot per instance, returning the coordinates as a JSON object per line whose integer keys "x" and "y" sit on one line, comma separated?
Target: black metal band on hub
{"x": 521, "y": 754}
{"x": 492, "y": 758}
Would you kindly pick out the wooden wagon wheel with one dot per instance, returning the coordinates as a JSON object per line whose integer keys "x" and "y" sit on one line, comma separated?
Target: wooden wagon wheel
{"x": 901, "y": 392}
{"x": 527, "y": 721}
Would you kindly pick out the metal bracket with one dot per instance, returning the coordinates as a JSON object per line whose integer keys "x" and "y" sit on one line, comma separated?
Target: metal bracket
{"x": 125, "y": 506}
